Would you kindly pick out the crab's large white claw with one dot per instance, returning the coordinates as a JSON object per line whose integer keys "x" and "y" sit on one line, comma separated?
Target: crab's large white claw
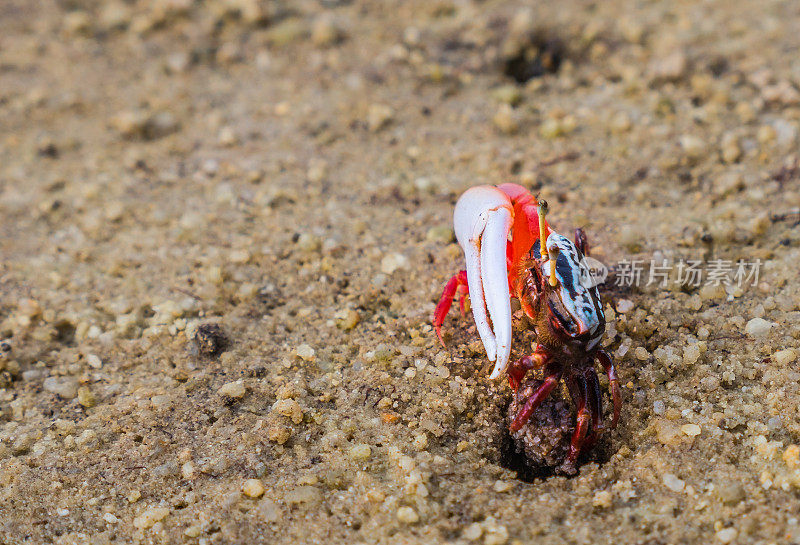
{"x": 482, "y": 220}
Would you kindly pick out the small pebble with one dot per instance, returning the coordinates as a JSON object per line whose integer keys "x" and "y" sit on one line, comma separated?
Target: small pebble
{"x": 150, "y": 517}
{"x": 210, "y": 338}
{"x": 472, "y": 532}
{"x": 784, "y": 357}
{"x": 624, "y": 305}
{"x": 658, "y": 407}
{"x": 602, "y": 499}
{"x": 188, "y": 470}
{"x": 670, "y": 68}
{"x": 507, "y": 94}
{"x": 110, "y": 518}
{"x": 278, "y": 434}
{"x": 691, "y": 353}
{"x": 727, "y": 535}
{"x": 501, "y": 486}
{"x": 94, "y": 362}
{"x": 730, "y": 492}
{"x": 252, "y": 488}
{"x": 290, "y": 409}
{"x": 393, "y": 262}
{"x": 379, "y": 116}
{"x": 234, "y": 390}
{"x": 792, "y": 456}
{"x": 305, "y": 352}
{"x": 407, "y": 515}
{"x": 692, "y": 430}
{"x": 308, "y": 243}
{"x": 86, "y": 398}
{"x": 551, "y": 128}
{"x": 693, "y": 146}
{"x": 227, "y": 137}
{"x": 347, "y": 319}
{"x": 360, "y": 452}
{"x": 506, "y": 120}
{"x": 64, "y": 387}
{"x": 440, "y": 233}
{"x": 620, "y": 123}
{"x": 495, "y": 534}
{"x": 758, "y": 327}
{"x": 673, "y": 483}
{"x": 324, "y": 32}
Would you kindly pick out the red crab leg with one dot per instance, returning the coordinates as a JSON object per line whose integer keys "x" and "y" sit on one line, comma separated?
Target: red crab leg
{"x": 582, "y": 425}
{"x": 613, "y": 384}
{"x": 443, "y": 307}
{"x": 581, "y": 242}
{"x": 462, "y": 293}
{"x": 518, "y": 369}
{"x": 534, "y": 401}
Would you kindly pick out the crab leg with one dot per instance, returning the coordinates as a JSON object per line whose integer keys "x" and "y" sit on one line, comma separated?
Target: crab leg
{"x": 451, "y": 289}
{"x": 534, "y": 401}
{"x": 482, "y": 220}
{"x": 578, "y": 389}
{"x": 613, "y": 384}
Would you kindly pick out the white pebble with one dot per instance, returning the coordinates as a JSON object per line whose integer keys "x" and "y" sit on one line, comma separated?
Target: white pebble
{"x": 407, "y": 515}
{"x": 472, "y": 532}
{"x": 233, "y": 389}
{"x": 673, "y": 483}
{"x": 252, "y": 488}
{"x": 393, "y": 262}
{"x": 110, "y": 518}
{"x": 692, "y": 430}
{"x": 305, "y": 352}
{"x": 758, "y": 327}
{"x": 94, "y": 362}
{"x": 602, "y": 499}
{"x": 64, "y": 387}
{"x": 150, "y": 517}
{"x": 727, "y": 535}
{"x": 784, "y": 357}
{"x": 624, "y": 305}
{"x": 360, "y": 452}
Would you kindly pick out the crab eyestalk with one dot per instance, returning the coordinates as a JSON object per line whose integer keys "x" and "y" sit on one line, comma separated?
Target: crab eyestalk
{"x": 552, "y": 276}
{"x": 542, "y": 209}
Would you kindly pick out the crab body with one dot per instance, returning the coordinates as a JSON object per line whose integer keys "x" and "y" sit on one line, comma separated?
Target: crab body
{"x": 511, "y": 252}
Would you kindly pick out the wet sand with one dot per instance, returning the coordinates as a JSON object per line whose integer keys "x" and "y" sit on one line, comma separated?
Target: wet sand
{"x": 287, "y": 172}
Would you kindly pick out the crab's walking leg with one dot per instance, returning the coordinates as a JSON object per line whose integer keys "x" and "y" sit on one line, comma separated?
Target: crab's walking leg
{"x": 534, "y": 401}
{"x": 577, "y": 387}
{"x": 581, "y": 242}
{"x": 518, "y": 369}
{"x": 482, "y": 220}
{"x": 454, "y": 286}
{"x": 596, "y": 404}
{"x": 613, "y": 384}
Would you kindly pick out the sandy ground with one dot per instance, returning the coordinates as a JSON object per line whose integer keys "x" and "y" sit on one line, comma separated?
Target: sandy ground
{"x": 287, "y": 171}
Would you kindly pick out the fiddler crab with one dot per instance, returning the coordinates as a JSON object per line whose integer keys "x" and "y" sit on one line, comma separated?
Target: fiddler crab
{"x": 501, "y": 230}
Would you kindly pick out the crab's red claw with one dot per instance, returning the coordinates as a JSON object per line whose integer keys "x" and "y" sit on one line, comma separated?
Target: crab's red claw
{"x": 482, "y": 220}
